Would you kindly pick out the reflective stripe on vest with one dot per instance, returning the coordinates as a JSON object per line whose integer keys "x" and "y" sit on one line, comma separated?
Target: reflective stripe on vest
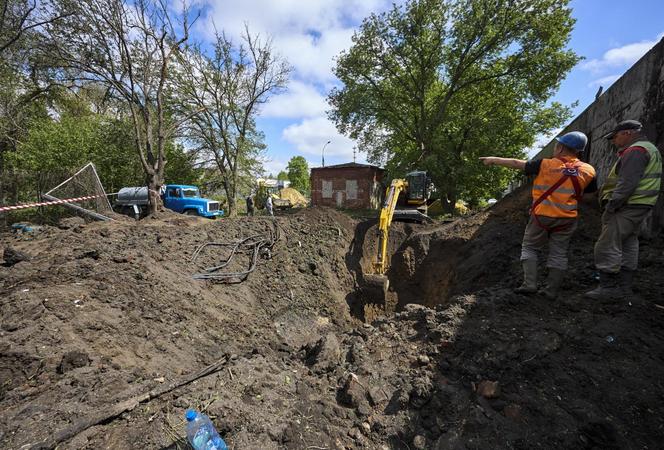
{"x": 562, "y": 190}
{"x": 649, "y": 186}
{"x": 562, "y": 201}
{"x": 561, "y": 205}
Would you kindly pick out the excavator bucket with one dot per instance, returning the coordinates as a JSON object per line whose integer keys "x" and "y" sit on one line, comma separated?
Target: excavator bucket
{"x": 375, "y": 288}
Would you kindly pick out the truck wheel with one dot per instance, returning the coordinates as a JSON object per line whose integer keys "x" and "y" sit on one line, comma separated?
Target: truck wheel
{"x": 191, "y": 212}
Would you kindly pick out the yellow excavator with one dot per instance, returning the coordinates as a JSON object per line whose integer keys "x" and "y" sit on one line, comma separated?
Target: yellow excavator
{"x": 409, "y": 207}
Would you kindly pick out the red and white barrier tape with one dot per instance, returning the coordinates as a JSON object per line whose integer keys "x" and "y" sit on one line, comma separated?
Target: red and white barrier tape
{"x": 54, "y": 202}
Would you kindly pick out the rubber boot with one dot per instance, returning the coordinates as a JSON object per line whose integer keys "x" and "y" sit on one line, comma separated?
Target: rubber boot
{"x": 529, "y": 285}
{"x": 626, "y": 279}
{"x": 553, "y": 282}
{"x": 609, "y": 288}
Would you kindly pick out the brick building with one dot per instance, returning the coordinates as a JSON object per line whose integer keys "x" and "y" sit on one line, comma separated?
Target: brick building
{"x": 350, "y": 185}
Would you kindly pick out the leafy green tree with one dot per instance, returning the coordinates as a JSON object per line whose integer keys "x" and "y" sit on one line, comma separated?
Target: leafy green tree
{"x": 182, "y": 167}
{"x": 433, "y": 84}
{"x": 71, "y": 142}
{"x": 298, "y": 173}
{"x": 282, "y": 176}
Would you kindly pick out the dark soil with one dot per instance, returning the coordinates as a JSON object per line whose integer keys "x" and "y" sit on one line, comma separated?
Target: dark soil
{"x": 99, "y": 313}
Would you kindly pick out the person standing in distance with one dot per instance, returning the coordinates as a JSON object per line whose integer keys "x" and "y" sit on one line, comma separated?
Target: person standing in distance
{"x": 250, "y": 205}
{"x": 269, "y": 205}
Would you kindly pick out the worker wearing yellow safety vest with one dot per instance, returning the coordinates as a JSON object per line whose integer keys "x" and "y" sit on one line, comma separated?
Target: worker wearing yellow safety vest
{"x": 627, "y": 196}
{"x": 558, "y": 186}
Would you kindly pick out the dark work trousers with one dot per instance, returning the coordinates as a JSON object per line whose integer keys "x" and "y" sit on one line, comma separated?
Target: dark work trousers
{"x": 618, "y": 244}
{"x": 535, "y": 238}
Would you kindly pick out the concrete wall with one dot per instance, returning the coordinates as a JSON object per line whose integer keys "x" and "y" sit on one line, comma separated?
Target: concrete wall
{"x": 639, "y": 95}
{"x": 346, "y": 187}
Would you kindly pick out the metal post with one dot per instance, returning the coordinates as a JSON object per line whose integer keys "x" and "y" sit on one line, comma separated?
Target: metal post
{"x": 323, "y": 153}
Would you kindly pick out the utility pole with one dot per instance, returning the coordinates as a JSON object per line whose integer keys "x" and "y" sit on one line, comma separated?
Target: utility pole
{"x": 354, "y": 152}
{"x": 322, "y": 153}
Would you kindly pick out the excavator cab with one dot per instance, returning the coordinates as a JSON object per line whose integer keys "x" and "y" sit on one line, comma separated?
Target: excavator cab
{"x": 412, "y": 207}
{"x": 418, "y": 188}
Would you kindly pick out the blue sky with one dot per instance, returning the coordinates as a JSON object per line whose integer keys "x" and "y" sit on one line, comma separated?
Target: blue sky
{"x": 610, "y": 34}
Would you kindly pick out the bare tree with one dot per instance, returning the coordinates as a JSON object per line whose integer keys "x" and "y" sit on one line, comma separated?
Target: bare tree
{"x": 128, "y": 47}
{"x": 224, "y": 93}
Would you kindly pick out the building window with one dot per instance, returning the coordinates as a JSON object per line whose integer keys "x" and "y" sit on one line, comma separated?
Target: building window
{"x": 327, "y": 189}
{"x": 351, "y": 189}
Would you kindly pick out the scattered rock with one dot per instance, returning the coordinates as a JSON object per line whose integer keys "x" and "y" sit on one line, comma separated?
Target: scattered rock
{"x": 352, "y": 393}
{"x": 72, "y": 360}
{"x": 423, "y": 360}
{"x": 325, "y": 355}
{"x": 363, "y": 409}
{"x": 513, "y": 411}
{"x": 9, "y": 326}
{"x": 13, "y": 256}
{"x": 71, "y": 222}
{"x": 355, "y": 433}
{"x": 488, "y": 389}
{"x": 421, "y": 392}
{"x": 121, "y": 259}
{"x": 377, "y": 395}
{"x": 92, "y": 254}
{"x": 419, "y": 442}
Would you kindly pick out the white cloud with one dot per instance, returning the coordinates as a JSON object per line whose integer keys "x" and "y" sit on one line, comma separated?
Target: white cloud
{"x": 310, "y": 135}
{"x": 301, "y": 100}
{"x": 605, "y": 82}
{"x": 313, "y": 56}
{"x": 309, "y": 34}
{"x": 621, "y": 56}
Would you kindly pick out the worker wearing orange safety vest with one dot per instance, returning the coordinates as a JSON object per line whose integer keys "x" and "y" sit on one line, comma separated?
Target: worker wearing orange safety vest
{"x": 558, "y": 186}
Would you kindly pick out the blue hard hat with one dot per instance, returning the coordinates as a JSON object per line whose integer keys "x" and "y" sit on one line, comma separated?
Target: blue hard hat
{"x": 574, "y": 140}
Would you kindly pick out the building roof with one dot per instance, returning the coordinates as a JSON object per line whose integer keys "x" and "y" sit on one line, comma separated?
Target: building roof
{"x": 350, "y": 165}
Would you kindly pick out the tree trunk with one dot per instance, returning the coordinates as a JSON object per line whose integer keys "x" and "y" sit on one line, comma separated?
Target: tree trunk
{"x": 232, "y": 207}
{"x": 229, "y": 188}
{"x": 154, "y": 186}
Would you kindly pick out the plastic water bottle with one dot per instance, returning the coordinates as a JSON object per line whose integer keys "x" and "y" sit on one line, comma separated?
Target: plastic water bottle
{"x": 201, "y": 432}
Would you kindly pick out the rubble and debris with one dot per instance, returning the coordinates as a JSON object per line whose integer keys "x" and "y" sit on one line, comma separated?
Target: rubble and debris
{"x": 303, "y": 370}
{"x": 11, "y": 256}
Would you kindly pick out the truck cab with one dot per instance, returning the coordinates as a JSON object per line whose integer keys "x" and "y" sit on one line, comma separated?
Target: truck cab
{"x": 187, "y": 199}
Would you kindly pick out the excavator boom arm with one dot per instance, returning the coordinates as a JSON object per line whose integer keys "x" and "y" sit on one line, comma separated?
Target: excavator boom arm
{"x": 384, "y": 222}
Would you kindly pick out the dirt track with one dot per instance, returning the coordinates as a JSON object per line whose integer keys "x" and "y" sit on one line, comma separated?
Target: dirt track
{"x": 105, "y": 312}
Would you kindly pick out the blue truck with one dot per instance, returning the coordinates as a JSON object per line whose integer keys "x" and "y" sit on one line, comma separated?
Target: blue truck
{"x": 185, "y": 199}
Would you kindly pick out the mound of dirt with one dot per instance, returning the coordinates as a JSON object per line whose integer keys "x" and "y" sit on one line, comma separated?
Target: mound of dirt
{"x": 297, "y": 200}
{"x": 100, "y": 315}
{"x": 123, "y": 294}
